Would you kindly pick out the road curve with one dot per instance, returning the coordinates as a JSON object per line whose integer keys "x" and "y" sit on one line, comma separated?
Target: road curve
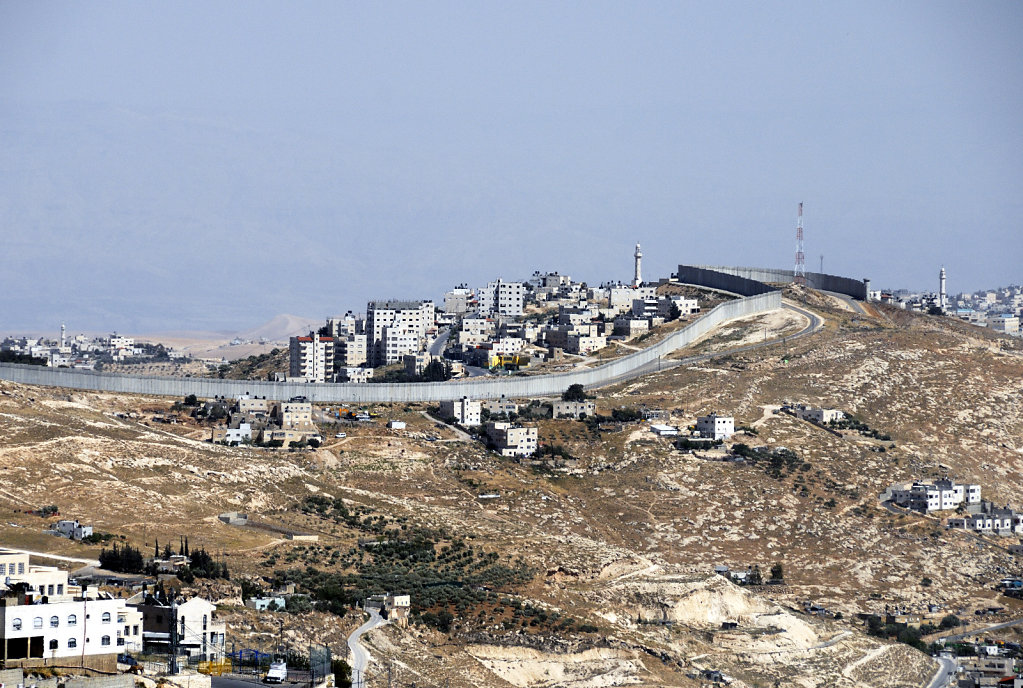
{"x": 360, "y": 658}
{"x": 943, "y": 676}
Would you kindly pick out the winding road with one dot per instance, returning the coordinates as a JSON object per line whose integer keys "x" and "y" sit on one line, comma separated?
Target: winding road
{"x": 360, "y": 658}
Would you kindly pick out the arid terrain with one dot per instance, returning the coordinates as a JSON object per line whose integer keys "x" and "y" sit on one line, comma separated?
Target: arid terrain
{"x": 598, "y": 570}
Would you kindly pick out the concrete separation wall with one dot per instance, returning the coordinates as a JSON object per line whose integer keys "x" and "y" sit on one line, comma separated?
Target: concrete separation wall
{"x": 624, "y": 368}
{"x": 816, "y": 280}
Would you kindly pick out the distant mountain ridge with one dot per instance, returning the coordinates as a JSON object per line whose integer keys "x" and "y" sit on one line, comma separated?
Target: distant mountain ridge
{"x": 281, "y": 327}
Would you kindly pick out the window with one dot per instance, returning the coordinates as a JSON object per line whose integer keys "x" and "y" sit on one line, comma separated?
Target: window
{"x": 49, "y": 589}
{"x": 134, "y": 630}
{"x": 21, "y": 567}
{"x": 16, "y": 624}
{"x": 37, "y": 622}
{"x": 54, "y": 622}
{"x": 3, "y": 569}
{"x": 72, "y": 620}
{"x": 106, "y": 617}
{"x": 120, "y": 640}
{"x": 60, "y": 588}
{"x": 105, "y": 640}
{"x": 72, "y": 642}
{"x": 53, "y": 644}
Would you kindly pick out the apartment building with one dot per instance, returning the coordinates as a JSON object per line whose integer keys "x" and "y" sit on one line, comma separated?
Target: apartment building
{"x": 458, "y": 300}
{"x": 396, "y": 328}
{"x": 312, "y": 358}
{"x": 350, "y": 351}
{"x": 194, "y": 623}
{"x": 940, "y": 495}
{"x": 502, "y": 298}
{"x": 510, "y": 439}
{"x": 573, "y": 409}
{"x": 54, "y": 624}
{"x": 716, "y": 426}
{"x": 465, "y": 411}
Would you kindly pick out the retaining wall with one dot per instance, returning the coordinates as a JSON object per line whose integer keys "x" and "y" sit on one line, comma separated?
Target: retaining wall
{"x": 119, "y": 681}
{"x": 621, "y": 369}
{"x": 816, "y": 280}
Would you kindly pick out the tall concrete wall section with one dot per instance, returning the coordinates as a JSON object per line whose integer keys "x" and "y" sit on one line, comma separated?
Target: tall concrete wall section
{"x": 723, "y": 279}
{"x": 516, "y": 387}
{"x": 816, "y": 280}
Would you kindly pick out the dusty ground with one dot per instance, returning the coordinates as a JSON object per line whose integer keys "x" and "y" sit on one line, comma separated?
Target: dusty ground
{"x": 627, "y": 536}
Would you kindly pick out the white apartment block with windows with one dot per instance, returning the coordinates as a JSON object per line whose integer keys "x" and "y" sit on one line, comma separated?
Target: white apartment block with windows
{"x": 1005, "y": 322}
{"x": 312, "y": 358}
{"x": 716, "y": 426}
{"x": 502, "y": 298}
{"x": 465, "y": 411}
{"x": 512, "y": 440}
{"x": 53, "y": 624}
{"x": 620, "y": 298}
{"x": 941, "y": 495}
{"x": 396, "y": 328}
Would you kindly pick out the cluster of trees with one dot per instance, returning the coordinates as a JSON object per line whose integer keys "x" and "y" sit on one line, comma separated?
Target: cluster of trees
{"x": 910, "y": 635}
{"x": 12, "y": 357}
{"x": 126, "y": 559}
{"x": 202, "y": 565}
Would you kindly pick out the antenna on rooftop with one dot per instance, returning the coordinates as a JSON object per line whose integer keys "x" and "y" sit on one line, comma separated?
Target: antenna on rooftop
{"x": 799, "y": 274}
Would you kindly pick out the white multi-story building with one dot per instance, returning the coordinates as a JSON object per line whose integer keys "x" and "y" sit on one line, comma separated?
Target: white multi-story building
{"x": 573, "y": 409}
{"x": 396, "y": 328}
{"x": 312, "y": 358}
{"x": 465, "y": 411}
{"x": 54, "y": 624}
{"x": 941, "y": 495}
{"x": 991, "y": 519}
{"x": 1005, "y": 322}
{"x": 512, "y": 440}
{"x": 502, "y": 298}
{"x": 620, "y": 298}
{"x": 72, "y": 529}
{"x": 716, "y": 426}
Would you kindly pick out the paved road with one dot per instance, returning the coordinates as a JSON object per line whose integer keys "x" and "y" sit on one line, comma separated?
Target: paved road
{"x": 46, "y": 555}
{"x": 980, "y": 631}
{"x": 816, "y": 323}
{"x": 360, "y": 658}
{"x": 439, "y": 344}
{"x": 850, "y": 301}
{"x": 945, "y": 673}
{"x": 233, "y": 682}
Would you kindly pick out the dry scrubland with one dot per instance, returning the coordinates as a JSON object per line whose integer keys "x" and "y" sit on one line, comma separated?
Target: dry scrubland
{"x": 625, "y": 539}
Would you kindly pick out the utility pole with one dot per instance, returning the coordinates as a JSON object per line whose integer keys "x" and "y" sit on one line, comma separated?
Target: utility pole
{"x": 173, "y": 667}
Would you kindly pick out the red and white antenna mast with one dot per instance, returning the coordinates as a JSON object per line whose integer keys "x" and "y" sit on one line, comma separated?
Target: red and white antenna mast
{"x": 799, "y": 274}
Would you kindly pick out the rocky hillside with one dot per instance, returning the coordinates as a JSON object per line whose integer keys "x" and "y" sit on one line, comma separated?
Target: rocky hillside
{"x": 595, "y": 569}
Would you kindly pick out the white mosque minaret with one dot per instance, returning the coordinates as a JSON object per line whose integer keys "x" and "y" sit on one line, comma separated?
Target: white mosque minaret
{"x": 638, "y": 279}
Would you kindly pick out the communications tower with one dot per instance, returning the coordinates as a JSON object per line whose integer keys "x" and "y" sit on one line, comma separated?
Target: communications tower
{"x": 799, "y": 274}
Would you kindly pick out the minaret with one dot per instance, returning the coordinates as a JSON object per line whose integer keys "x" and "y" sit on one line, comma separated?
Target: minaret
{"x": 942, "y": 299}
{"x": 638, "y": 279}
{"x": 62, "y": 338}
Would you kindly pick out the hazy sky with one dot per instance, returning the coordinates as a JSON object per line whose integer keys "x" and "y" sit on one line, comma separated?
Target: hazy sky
{"x": 209, "y": 165}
